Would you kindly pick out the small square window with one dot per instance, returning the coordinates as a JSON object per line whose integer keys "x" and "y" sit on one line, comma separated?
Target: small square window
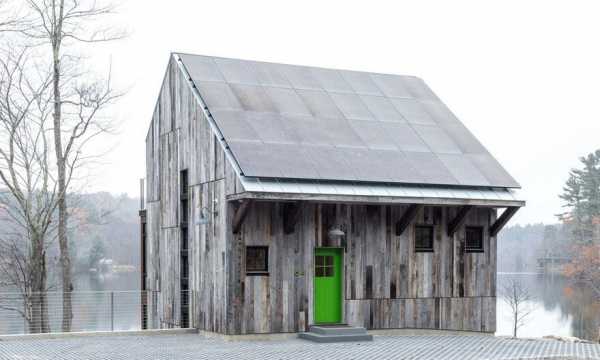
{"x": 424, "y": 238}
{"x": 257, "y": 260}
{"x": 324, "y": 266}
{"x": 474, "y": 239}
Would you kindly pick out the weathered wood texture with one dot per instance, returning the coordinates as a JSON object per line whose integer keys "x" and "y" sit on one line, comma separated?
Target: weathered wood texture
{"x": 278, "y": 302}
{"x": 387, "y": 284}
{"x": 180, "y": 138}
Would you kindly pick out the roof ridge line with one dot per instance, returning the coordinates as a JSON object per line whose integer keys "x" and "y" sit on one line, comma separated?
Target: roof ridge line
{"x": 299, "y": 65}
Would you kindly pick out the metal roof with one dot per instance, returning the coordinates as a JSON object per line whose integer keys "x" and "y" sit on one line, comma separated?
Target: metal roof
{"x": 297, "y": 122}
{"x": 382, "y": 192}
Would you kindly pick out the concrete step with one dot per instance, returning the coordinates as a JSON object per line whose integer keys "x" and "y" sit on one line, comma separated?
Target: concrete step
{"x": 337, "y": 330}
{"x": 335, "y": 333}
{"x": 334, "y": 338}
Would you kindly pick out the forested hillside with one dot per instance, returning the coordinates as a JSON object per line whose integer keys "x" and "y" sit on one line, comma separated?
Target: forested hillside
{"x": 103, "y": 235}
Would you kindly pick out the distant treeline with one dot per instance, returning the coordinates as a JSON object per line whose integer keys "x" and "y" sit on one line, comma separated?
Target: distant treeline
{"x": 103, "y": 228}
{"x": 576, "y": 236}
{"x": 520, "y": 246}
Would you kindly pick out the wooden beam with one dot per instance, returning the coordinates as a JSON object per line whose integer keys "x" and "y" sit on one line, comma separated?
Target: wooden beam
{"x": 291, "y": 214}
{"x": 459, "y": 219}
{"x": 502, "y": 220}
{"x": 240, "y": 215}
{"x": 409, "y": 215}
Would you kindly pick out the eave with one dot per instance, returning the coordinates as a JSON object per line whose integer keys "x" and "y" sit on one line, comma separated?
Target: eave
{"x": 366, "y": 193}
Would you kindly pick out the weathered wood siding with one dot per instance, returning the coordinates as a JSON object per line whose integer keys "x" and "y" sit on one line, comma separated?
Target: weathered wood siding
{"x": 180, "y": 138}
{"x": 278, "y": 302}
{"x": 387, "y": 284}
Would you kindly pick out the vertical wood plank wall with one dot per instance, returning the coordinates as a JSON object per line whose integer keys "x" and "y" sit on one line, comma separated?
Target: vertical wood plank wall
{"x": 386, "y": 284}
{"x": 180, "y": 138}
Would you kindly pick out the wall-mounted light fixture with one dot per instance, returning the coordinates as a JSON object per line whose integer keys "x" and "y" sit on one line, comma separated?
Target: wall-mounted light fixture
{"x": 336, "y": 232}
{"x": 203, "y": 216}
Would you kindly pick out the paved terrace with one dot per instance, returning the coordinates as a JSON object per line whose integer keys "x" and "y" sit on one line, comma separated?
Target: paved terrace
{"x": 192, "y": 346}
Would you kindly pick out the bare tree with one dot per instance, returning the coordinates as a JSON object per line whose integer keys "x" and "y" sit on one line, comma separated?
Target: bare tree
{"x": 8, "y": 19}
{"x": 30, "y": 197}
{"x": 77, "y": 103}
{"x": 519, "y": 299}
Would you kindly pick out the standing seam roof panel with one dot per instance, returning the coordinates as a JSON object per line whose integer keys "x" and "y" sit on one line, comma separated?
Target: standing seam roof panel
{"x": 299, "y": 122}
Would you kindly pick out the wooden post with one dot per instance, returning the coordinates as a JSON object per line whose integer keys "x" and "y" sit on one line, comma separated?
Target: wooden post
{"x": 291, "y": 214}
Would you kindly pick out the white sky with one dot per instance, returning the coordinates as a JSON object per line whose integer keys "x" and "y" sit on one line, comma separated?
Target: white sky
{"x": 522, "y": 75}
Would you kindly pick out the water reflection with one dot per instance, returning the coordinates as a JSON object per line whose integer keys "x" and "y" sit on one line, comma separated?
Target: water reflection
{"x": 560, "y": 308}
{"x": 104, "y": 302}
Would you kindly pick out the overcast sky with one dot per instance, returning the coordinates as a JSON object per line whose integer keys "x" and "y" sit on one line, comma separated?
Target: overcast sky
{"x": 522, "y": 75}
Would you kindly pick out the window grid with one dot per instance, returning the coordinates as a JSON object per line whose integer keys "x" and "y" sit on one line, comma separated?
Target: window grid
{"x": 324, "y": 266}
{"x": 257, "y": 260}
{"x": 424, "y": 238}
{"x": 474, "y": 239}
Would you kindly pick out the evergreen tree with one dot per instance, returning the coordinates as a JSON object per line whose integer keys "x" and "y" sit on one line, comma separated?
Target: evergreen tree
{"x": 581, "y": 196}
{"x": 590, "y": 189}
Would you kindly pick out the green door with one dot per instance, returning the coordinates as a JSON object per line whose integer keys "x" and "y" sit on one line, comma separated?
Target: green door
{"x": 328, "y": 285}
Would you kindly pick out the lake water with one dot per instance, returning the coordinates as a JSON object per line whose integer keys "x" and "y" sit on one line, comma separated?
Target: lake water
{"x": 100, "y": 303}
{"x": 559, "y": 308}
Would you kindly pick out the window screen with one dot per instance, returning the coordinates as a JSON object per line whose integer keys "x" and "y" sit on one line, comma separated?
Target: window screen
{"x": 424, "y": 238}
{"x": 474, "y": 239}
{"x": 257, "y": 260}
{"x": 324, "y": 266}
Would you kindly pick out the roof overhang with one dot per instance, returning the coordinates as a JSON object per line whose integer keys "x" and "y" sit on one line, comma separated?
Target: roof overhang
{"x": 274, "y": 189}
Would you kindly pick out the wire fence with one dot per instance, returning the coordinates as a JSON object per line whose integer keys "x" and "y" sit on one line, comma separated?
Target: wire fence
{"x": 92, "y": 311}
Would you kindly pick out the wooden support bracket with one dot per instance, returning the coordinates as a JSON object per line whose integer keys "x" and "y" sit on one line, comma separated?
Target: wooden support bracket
{"x": 409, "y": 215}
{"x": 502, "y": 220}
{"x": 459, "y": 219}
{"x": 291, "y": 215}
{"x": 240, "y": 215}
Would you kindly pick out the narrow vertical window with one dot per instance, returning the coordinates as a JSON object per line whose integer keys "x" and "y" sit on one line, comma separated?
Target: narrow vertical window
{"x": 184, "y": 249}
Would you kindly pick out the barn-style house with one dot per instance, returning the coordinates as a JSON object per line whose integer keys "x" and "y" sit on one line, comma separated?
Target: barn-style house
{"x": 280, "y": 196}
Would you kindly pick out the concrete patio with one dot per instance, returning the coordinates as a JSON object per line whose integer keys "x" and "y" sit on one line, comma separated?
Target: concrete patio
{"x": 194, "y": 346}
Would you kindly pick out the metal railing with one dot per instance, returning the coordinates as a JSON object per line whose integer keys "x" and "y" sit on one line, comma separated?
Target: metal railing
{"x": 92, "y": 311}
